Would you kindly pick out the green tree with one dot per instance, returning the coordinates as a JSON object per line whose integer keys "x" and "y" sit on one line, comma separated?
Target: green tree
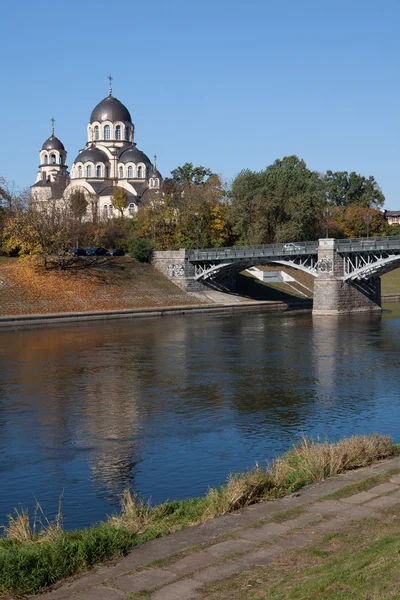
{"x": 282, "y": 203}
{"x": 190, "y": 175}
{"x": 343, "y": 189}
{"x": 140, "y": 249}
{"x": 119, "y": 199}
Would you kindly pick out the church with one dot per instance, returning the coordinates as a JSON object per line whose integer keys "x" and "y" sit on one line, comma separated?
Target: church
{"x": 110, "y": 159}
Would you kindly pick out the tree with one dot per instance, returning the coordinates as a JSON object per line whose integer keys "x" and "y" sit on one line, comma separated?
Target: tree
{"x": 357, "y": 222}
{"x": 344, "y": 189}
{"x": 78, "y": 204}
{"x": 190, "y": 175}
{"x": 43, "y": 230}
{"x": 140, "y": 249}
{"x": 189, "y": 213}
{"x": 119, "y": 199}
{"x": 282, "y": 203}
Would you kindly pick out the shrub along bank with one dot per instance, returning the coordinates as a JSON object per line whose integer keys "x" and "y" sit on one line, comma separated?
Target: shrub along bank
{"x": 33, "y": 557}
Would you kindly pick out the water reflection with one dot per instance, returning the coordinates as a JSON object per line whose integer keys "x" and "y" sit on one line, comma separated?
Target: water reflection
{"x": 169, "y": 407}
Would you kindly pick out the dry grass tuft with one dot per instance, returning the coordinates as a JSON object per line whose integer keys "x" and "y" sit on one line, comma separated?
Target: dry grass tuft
{"x": 19, "y": 527}
{"x": 135, "y": 514}
{"x": 311, "y": 461}
{"x": 242, "y": 489}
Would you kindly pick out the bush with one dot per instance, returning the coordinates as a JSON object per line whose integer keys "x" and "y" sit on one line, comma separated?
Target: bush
{"x": 140, "y": 249}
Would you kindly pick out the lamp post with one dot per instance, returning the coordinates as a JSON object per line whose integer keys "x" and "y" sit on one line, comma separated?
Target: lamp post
{"x": 327, "y": 214}
{"x": 367, "y": 221}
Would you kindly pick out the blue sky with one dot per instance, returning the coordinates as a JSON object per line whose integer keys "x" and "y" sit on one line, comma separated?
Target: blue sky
{"x": 229, "y": 85}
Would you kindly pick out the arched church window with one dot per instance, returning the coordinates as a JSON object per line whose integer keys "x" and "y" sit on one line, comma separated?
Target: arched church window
{"x": 53, "y": 159}
{"x": 46, "y": 159}
{"x": 88, "y": 171}
{"x": 131, "y": 209}
{"x": 130, "y": 172}
{"x": 96, "y": 133}
{"x": 105, "y": 210}
{"x": 98, "y": 171}
{"x": 118, "y": 132}
{"x": 111, "y": 210}
{"x": 156, "y": 182}
{"x": 121, "y": 172}
{"x": 107, "y": 172}
{"x": 107, "y": 132}
{"x": 151, "y": 182}
{"x": 139, "y": 172}
{"x": 126, "y": 134}
{"x": 79, "y": 171}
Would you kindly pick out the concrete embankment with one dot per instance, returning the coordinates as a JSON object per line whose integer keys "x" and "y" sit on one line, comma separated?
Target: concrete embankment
{"x": 38, "y": 320}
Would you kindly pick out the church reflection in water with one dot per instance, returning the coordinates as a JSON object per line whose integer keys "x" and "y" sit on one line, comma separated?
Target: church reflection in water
{"x": 167, "y": 407}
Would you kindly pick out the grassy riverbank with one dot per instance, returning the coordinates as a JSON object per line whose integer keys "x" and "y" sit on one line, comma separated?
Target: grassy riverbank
{"x": 34, "y": 555}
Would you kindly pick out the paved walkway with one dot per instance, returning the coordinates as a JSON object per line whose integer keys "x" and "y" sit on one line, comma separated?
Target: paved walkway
{"x": 178, "y": 566}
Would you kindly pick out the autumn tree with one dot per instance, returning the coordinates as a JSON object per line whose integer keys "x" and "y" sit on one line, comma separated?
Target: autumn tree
{"x": 78, "y": 204}
{"x": 45, "y": 229}
{"x": 357, "y": 221}
{"x": 119, "y": 200}
{"x": 191, "y": 211}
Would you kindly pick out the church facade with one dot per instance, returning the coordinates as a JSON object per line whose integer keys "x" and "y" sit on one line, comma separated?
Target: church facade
{"x": 110, "y": 159}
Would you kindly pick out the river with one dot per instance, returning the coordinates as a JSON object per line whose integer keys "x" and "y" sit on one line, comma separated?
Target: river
{"x": 170, "y": 406}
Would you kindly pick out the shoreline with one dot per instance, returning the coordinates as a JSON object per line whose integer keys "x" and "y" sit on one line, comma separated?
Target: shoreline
{"x": 32, "y": 320}
{"x": 34, "y": 561}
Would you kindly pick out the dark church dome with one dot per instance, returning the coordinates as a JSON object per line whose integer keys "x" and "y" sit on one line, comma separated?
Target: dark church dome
{"x": 92, "y": 154}
{"x": 110, "y": 109}
{"x": 132, "y": 154}
{"x": 53, "y": 143}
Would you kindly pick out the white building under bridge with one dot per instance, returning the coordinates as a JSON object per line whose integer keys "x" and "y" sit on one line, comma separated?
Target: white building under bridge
{"x": 110, "y": 159}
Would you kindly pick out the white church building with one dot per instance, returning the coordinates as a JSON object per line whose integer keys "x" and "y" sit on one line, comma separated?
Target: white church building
{"x": 110, "y": 159}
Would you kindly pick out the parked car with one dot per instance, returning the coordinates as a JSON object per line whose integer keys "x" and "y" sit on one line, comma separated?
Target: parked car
{"x": 292, "y": 246}
{"x": 115, "y": 252}
{"x": 96, "y": 252}
{"x": 78, "y": 251}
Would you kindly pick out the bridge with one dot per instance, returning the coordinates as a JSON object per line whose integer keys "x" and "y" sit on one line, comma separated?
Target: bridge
{"x": 347, "y": 272}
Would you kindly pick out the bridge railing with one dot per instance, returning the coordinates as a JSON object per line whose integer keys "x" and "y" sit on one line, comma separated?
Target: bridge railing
{"x": 360, "y": 244}
{"x": 267, "y": 250}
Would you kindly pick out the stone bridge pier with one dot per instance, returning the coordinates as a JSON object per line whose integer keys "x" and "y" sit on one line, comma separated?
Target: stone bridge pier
{"x": 333, "y": 295}
{"x": 176, "y": 266}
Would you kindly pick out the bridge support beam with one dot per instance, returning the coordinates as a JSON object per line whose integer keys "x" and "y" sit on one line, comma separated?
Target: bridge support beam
{"x": 332, "y": 295}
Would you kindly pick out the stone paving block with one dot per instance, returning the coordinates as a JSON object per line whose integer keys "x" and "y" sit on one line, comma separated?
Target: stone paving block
{"x": 191, "y": 563}
{"x": 359, "y": 498}
{"x": 297, "y": 541}
{"x": 145, "y": 580}
{"x": 182, "y": 590}
{"x": 357, "y": 513}
{"x": 262, "y": 557}
{"x": 395, "y": 479}
{"x": 301, "y": 520}
{"x": 384, "y": 502}
{"x": 99, "y": 593}
{"x": 229, "y": 547}
{"x": 332, "y": 526}
{"x": 265, "y": 532}
{"x": 383, "y": 488}
{"x": 221, "y": 572}
{"x": 327, "y": 507}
